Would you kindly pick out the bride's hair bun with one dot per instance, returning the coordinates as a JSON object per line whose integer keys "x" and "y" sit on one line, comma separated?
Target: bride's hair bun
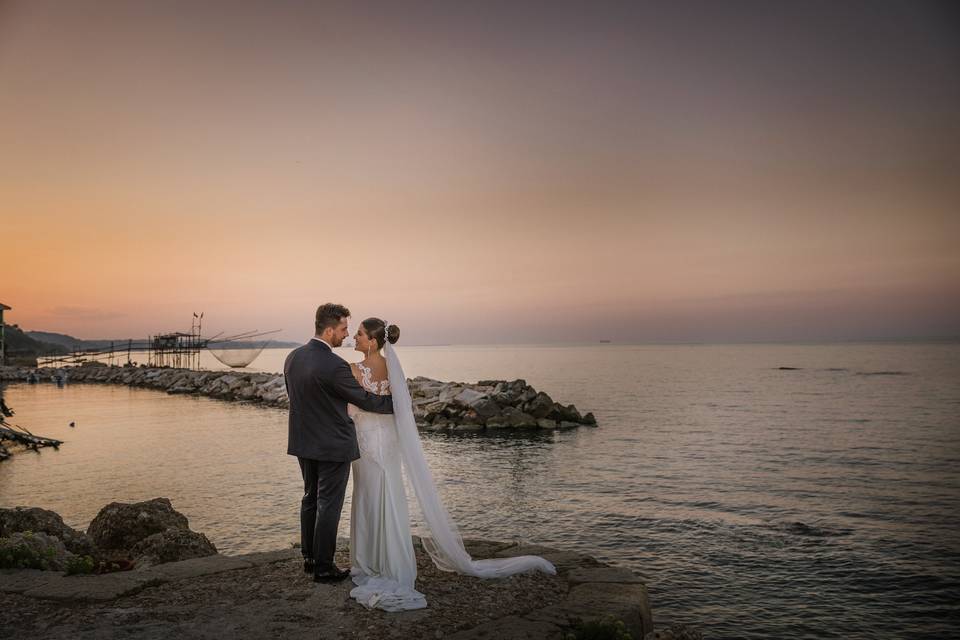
{"x": 380, "y": 331}
{"x": 393, "y": 334}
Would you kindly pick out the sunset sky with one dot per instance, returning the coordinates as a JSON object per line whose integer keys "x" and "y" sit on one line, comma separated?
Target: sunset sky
{"x": 483, "y": 172}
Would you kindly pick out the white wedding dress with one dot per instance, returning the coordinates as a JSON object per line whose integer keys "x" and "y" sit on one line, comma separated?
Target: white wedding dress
{"x": 383, "y": 565}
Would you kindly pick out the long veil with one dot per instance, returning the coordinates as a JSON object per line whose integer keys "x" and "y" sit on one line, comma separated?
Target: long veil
{"x": 444, "y": 545}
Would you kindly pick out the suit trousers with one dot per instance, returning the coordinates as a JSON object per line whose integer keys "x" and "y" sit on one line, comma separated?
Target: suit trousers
{"x": 324, "y": 487}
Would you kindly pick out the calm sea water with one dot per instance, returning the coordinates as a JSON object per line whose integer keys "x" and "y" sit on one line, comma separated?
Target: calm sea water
{"x": 759, "y": 503}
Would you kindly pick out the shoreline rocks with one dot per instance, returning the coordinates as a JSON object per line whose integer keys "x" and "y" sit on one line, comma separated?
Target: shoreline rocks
{"x": 139, "y": 534}
{"x": 267, "y": 595}
{"x": 438, "y": 406}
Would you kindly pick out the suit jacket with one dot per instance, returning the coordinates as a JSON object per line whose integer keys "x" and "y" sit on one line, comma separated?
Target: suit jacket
{"x": 319, "y": 385}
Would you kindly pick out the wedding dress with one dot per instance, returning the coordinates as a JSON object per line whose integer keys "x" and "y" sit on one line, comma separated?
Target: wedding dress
{"x": 383, "y": 565}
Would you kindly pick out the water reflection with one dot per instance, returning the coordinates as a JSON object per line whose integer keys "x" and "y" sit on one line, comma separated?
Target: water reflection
{"x": 760, "y": 502}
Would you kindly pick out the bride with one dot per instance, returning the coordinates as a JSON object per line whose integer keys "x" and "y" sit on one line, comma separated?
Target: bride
{"x": 383, "y": 565}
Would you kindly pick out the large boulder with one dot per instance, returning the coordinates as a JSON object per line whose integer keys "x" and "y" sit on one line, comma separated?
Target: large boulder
{"x": 171, "y": 545}
{"x": 22, "y": 519}
{"x": 120, "y": 526}
{"x": 486, "y": 408}
{"x": 516, "y": 418}
{"x": 540, "y": 405}
{"x": 470, "y": 397}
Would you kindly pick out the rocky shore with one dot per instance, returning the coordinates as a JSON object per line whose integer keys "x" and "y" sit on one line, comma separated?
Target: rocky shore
{"x": 267, "y": 595}
{"x": 438, "y": 406}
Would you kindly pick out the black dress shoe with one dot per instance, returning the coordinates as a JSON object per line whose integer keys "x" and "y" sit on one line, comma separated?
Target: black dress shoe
{"x": 308, "y": 565}
{"x": 331, "y": 575}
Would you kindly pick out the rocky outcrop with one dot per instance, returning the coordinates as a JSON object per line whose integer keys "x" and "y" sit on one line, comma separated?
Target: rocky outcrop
{"x": 171, "y": 545}
{"x": 142, "y": 534}
{"x": 266, "y": 595}
{"x": 151, "y": 532}
{"x": 36, "y": 520}
{"x": 438, "y": 406}
{"x": 489, "y": 404}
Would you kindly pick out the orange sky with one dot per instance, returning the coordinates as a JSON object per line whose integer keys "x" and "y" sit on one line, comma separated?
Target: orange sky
{"x": 481, "y": 175}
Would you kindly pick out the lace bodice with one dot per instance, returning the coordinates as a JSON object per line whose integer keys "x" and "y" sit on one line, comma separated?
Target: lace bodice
{"x": 379, "y": 387}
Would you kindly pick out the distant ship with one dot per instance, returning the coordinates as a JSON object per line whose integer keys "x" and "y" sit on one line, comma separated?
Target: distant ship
{"x": 604, "y": 342}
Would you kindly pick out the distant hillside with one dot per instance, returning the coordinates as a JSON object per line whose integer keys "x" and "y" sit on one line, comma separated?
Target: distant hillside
{"x": 72, "y": 343}
{"x": 56, "y": 338}
{"x": 22, "y": 348}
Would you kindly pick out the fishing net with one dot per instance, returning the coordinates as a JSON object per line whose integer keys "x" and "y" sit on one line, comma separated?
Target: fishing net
{"x": 236, "y": 353}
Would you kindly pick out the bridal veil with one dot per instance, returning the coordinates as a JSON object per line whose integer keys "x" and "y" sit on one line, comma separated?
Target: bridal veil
{"x": 444, "y": 544}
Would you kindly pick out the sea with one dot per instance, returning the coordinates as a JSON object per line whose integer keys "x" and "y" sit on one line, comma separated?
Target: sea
{"x": 762, "y": 490}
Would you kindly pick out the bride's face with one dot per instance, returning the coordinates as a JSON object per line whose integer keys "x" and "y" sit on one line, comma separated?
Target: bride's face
{"x": 362, "y": 342}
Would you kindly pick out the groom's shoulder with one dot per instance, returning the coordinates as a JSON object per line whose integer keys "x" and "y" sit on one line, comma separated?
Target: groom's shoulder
{"x": 297, "y": 354}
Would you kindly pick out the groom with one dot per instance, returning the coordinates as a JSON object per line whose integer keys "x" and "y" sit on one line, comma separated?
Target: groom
{"x": 322, "y": 436}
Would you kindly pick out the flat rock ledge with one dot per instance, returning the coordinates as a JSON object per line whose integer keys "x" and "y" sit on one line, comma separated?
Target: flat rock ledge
{"x": 267, "y": 595}
{"x": 438, "y": 406}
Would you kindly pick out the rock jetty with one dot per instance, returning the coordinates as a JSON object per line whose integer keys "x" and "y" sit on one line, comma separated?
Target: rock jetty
{"x": 438, "y": 406}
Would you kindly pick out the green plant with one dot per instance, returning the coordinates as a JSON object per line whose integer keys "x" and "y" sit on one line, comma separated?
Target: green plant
{"x": 80, "y": 565}
{"x": 607, "y": 628}
{"x": 25, "y": 553}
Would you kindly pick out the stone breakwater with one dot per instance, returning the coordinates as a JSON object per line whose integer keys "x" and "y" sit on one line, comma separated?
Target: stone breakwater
{"x": 438, "y": 406}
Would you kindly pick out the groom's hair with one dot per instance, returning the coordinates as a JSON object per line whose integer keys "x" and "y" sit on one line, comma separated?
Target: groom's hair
{"x": 329, "y": 315}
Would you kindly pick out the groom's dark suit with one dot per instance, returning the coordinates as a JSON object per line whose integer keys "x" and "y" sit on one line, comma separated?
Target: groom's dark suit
{"x": 322, "y": 436}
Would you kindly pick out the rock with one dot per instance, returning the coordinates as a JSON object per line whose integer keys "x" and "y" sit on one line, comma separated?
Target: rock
{"x": 627, "y": 602}
{"x": 675, "y": 632}
{"x": 486, "y": 408}
{"x": 570, "y": 413}
{"x": 516, "y": 418}
{"x": 589, "y": 420}
{"x": 172, "y": 545}
{"x": 545, "y": 423}
{"x": 470, "y": 397}
{"x": 435, "y": 408}
{"x": 466, "y": 428}
{"x": 121, "y": 526}
{"x": 39, "y": 520}
{"x": 540, "y": 405}
{"x": 450, "y": 392}
{"x": 180, "y": 389}
{"x": 470, "y": 417}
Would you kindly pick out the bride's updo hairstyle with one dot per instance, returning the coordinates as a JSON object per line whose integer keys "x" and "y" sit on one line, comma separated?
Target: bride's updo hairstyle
{"x": 378, "y": 330}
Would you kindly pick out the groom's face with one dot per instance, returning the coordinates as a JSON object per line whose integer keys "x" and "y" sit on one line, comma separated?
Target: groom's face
{"x": 340, "y": 333}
